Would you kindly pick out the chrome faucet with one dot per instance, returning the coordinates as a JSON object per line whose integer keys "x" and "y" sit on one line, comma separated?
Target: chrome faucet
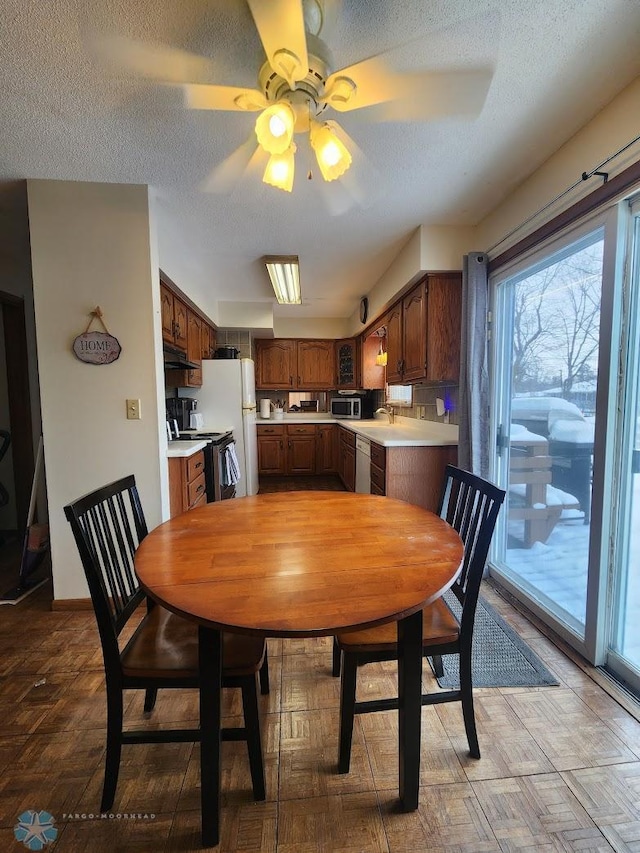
{"x": 389, "y": 412}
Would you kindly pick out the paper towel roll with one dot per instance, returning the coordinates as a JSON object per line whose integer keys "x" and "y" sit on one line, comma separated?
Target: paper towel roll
{"x": 196, "y": 420}
{"x": 265, "y": 408}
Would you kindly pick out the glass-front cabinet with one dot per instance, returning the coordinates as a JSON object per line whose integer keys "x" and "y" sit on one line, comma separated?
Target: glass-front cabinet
{"x": 347, "y": 364}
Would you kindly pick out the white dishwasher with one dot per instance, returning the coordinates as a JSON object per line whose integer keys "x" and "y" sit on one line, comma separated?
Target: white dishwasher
{"x": 363, "y": 465}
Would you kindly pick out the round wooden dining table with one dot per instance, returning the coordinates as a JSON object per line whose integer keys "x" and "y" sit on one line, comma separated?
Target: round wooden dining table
{"x": 301, "y": 564}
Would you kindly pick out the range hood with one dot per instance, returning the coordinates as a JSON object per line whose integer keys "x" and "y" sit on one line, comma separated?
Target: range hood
{"x": 175, "y": 359}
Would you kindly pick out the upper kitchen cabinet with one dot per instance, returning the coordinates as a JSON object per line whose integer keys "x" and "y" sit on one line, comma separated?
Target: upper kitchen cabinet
{"x": 275, "y": 363}
{"x": 194, "y": 348}
{"x": 207, "y": 341}
{"x": 174, "y": 319}
{"x": 316, "y": 365}
{"x": 286, "y": 363}
{"x": 423, "y": 331}
{"x": 347, "y": 364}
{"x": 444, "y": 319}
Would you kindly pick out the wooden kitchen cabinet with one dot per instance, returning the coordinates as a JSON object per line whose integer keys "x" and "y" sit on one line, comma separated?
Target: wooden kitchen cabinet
{"x": 423, "y": 331}
{"x": 411, "y": 474}
{"x": 272, "y": 449}
{"x": 393, "y": 323}
{"x": 347, "y": 459}
{"x": 348, "y": 374}
{"x": 287, "y": 449}
{"x": 326, "y": 448}
{"x": 276, "y": 363}
{"x": 207, "y": 341}
{"x": 194, "y": 349}
{"x": 292, "y": 364}
{"x": 174, "y": 319}
{"x": 444, "y": 319}
{"x": 187, "y": 487}
{"x": 315, "y": 364}
{"x": 301, "y": 449}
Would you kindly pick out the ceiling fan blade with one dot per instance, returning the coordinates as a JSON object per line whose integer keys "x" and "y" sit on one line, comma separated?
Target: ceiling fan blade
{"x": 144, "y": 59}
{"x": 247, "y": 158}
{"x": 280, "y": 25}
{"x": 200, "y": 96}
{"x": 435, "y": 95}
{"x": 374, "y": 82}
{"x": 407, "y": 96}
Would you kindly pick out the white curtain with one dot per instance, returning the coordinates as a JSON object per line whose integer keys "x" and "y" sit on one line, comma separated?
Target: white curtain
{"x": 473, "y": 442}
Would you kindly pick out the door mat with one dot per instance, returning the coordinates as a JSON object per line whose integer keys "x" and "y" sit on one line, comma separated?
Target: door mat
{"x": 499, "y": 657}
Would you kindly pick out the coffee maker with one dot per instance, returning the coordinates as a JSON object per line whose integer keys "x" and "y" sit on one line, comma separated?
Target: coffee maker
{"x": 179, "y": 409}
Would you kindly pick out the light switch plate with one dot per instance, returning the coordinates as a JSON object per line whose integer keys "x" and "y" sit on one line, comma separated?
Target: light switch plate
{"x": 133, "y": 410}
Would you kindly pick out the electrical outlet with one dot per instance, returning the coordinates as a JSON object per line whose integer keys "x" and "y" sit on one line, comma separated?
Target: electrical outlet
{"x": 133, "y": 410}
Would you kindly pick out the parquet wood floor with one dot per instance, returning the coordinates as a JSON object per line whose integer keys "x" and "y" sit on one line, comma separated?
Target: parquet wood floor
{"x": 560, "y": 766}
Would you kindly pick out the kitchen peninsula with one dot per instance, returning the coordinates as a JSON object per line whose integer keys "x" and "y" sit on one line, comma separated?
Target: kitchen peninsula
{"x": 404, "y": 460}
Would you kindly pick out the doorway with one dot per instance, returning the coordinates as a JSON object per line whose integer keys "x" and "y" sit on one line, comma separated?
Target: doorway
{"x": 16, "y": 437}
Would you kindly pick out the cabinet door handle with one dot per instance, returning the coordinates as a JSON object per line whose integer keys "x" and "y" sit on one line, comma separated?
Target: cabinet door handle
{"x": 291, "y": 380}
{"x": 281, "y": 446}
{"x": 299, "y": 381}
{"x": 200, "y": 488}
{"x": 198, "y": 464}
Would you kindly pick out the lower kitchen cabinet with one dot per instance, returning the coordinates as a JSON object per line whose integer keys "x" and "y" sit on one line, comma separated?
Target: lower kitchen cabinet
{"x": 271, "y": 449}
{"x": 326, "y": 448}
{"x": 347, "y": 459}
{"x": 290, "y": 449}
{"x": 412, "y": 474}
{"x": 187, "y": 487}
{"x": 301, "y": 449}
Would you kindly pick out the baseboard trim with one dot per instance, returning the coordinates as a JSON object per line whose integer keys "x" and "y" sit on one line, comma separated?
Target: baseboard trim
{"x": 71, "y": 604}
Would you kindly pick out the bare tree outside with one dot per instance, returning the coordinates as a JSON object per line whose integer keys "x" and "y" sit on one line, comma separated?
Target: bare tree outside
{"x": 557, "y": 323}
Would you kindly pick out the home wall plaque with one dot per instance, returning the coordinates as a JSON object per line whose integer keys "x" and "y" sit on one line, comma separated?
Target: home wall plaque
{"x": 96, "y": 347}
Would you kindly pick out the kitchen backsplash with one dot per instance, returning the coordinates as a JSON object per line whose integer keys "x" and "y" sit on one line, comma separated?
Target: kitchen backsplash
{"x": 424, "y": 398}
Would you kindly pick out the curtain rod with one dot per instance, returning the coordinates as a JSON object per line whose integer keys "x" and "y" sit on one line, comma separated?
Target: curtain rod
{"x": 585, "y": 177}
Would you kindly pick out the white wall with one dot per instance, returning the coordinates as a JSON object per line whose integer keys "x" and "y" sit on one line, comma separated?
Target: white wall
{"x": 91, "y": 245}
{"x": 611, "y": 129}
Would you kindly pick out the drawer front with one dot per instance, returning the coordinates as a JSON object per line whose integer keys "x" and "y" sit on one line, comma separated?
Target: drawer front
{"x": 378, "y": 455}
{"x": 195, "y": 466}
{"x": 301, "y": 429}
{"x": 377, "y": 479}
{"x": 196, "y": 490}
{"x": 348, "y": 437}
{"x": 271, "y": 430}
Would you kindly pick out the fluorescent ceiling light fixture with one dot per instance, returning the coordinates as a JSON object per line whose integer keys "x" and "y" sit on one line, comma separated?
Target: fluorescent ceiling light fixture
{"x": 284, "y": 273}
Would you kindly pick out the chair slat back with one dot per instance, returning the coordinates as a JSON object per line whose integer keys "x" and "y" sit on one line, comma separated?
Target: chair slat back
{"x": 108, "y": 525}
{"x": 471, "y": 506}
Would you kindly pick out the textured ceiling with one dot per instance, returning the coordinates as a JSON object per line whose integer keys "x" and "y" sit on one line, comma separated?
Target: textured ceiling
{"x": 65, "y": 114}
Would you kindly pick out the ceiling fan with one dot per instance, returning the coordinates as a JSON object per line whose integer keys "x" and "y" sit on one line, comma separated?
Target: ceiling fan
{"x": 298, "y": 88}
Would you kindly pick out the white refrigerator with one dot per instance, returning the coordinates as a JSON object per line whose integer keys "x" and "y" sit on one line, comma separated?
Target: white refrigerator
{"x": 227, "y": 400}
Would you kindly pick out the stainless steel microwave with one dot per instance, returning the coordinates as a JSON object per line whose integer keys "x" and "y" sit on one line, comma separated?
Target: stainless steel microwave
{"x": 349, "y": 408}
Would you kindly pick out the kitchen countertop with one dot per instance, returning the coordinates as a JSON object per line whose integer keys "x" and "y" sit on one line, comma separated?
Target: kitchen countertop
{"x": 184, "y": 448}
{"x": 405, "y": 432}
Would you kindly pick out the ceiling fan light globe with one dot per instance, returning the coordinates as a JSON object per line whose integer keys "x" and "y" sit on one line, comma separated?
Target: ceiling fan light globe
{"x": 332, "y": 155}
{"x": 280, "y": 170}
{"x": 274, "y": 128}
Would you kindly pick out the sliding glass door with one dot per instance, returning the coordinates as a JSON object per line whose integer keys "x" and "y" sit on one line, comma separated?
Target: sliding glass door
{"x": 566, "y": 436}
{"x": 547, "y": 345}
{"x": 623, "y": 653}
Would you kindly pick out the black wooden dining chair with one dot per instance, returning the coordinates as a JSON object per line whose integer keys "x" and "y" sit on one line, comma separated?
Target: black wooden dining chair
{"x": 108, "y": 525}
{"x": 470, "y": 505}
